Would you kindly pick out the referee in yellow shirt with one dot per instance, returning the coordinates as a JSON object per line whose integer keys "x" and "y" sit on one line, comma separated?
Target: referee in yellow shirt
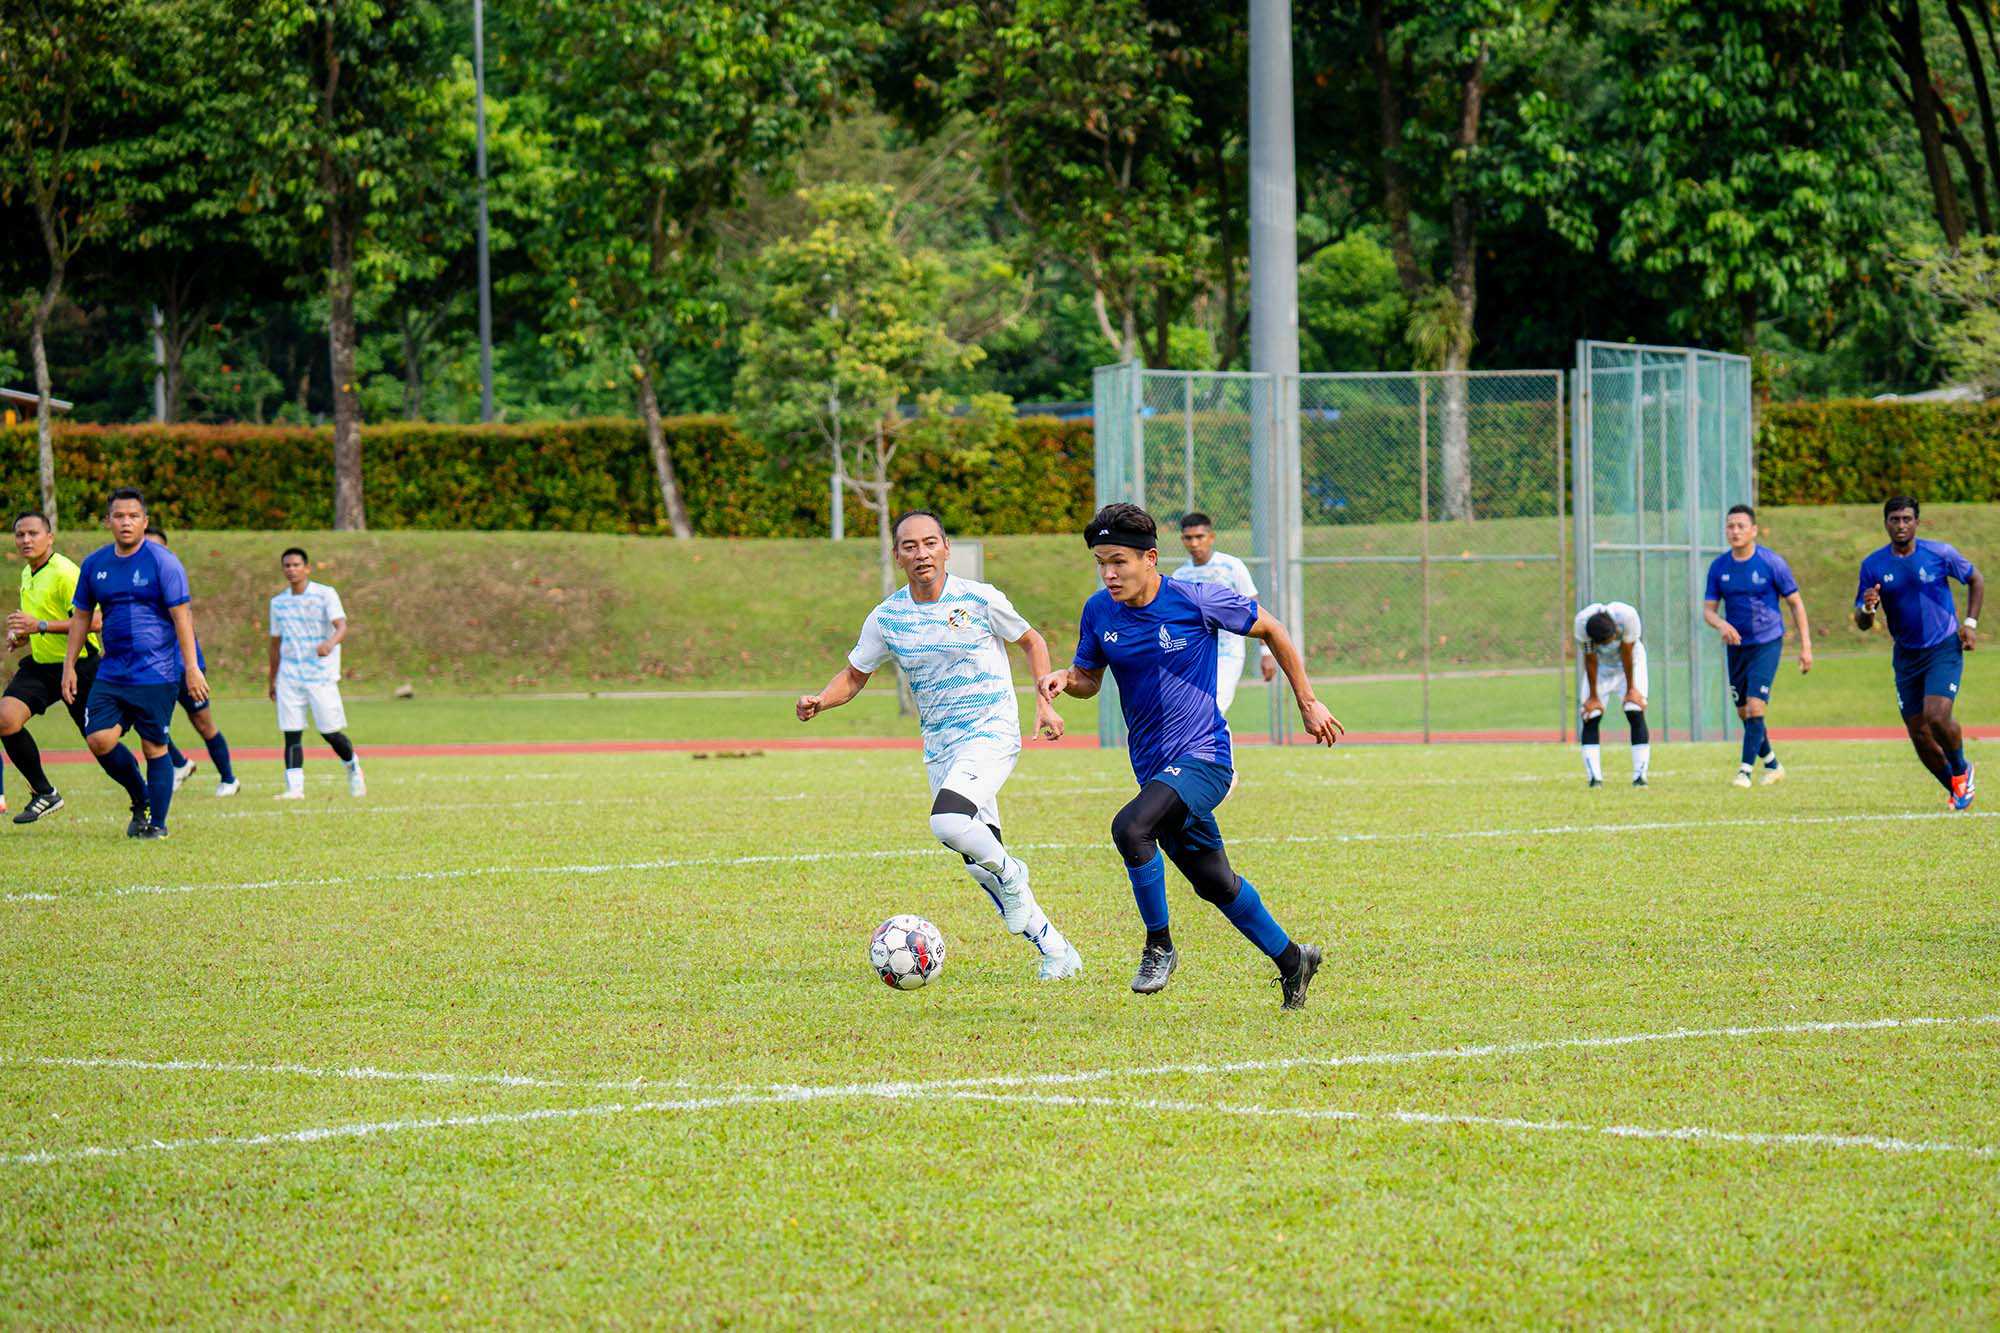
{"x": 48, "y": 582}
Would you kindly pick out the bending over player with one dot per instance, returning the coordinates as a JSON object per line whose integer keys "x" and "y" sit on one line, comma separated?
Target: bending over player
{"x": 1158, "y": 638}
{"x": 1908, "y": 580}
{"x": 1746, "y": 583}
{"x": 950, "y": 637}
{"x": 1606, "y": 672}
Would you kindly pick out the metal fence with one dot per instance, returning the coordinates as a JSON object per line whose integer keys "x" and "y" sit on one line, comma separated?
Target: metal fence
{"x": 1662, "y": 451}
{"x": 1411, "y": 528}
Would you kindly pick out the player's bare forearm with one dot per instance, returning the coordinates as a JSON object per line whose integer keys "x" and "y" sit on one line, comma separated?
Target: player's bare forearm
{"x": 1797, "y": 602}
{"x": 1075, "y": 681}
{"x": 1718, "y": 624}
{"x": 339, "y": 635}
{"x": 1975, "y": 594}
{"x": 196, "y": 683}
{"x": 1036, "y": 649}
{"x": 1321, "y": 724}
{"x": 846, "y": 683}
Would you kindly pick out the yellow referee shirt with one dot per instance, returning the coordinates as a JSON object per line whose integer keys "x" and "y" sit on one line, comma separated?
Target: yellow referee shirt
{"x": 45, "y": 595}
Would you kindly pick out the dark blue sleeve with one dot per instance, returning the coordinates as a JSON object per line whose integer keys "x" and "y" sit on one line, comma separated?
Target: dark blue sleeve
{"x": 1222, "y": 607}
{"x": 1782, "y": 577}
{"x": 1955, "y": 564}
{"x": 85, "y": 596}
{"x": 1714, "y": 592}
{"x": 1087, "y": 656}
{"x": 173, "y": 578}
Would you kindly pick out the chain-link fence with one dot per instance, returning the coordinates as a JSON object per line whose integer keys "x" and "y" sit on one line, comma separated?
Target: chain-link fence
{"x": 1412, "y": 531}
{"x": 1662, "y": 451}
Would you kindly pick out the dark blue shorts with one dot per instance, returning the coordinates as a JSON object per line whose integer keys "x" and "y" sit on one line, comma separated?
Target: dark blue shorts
{"x": 146, "y": 709}
{"x": 189, "y": 702}
{"x": 1922, "y": 672}
{"x": 1201, "y": 784}
{"x": 1752, "y": 668}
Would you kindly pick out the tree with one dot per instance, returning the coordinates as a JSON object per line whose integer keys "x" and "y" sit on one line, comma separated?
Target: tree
{"x": 658, "y": 113}
{"x": 847, "y": 329}
{"x": 332, "y": 103}
{"x": 1741, "y": 158}
{"x": 73, "y": 93}
{"x": 1089, "y": 139}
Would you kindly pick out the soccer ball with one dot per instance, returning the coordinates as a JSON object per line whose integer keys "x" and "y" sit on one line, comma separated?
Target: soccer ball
{"x": 906, "y": 951}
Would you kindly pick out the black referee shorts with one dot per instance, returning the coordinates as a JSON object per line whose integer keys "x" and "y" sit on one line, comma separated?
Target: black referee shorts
{"x": 39, "y": 686}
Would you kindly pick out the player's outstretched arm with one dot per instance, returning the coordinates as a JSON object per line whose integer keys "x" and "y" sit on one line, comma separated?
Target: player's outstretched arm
{"x": 1075, "y": 681}
{"x": 846, "y": 683}
{"x": 197, "y": 683}
{"x": 1322, "y": 725}
{"x": 1048, "y": 722}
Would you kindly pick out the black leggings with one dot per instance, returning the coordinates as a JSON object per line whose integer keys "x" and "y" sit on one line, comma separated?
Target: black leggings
{"x": 1640, "y": 736}
{"x": 295, "y": 750}
{"x": 1153, "y": 820}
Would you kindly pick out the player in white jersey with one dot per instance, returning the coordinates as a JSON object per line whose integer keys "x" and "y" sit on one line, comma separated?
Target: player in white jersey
{"x": 950, "y": 637}
{"x": 1605, "y": 671}
{"x": 1208, "y": 565}
{"x": 307, "y": 624}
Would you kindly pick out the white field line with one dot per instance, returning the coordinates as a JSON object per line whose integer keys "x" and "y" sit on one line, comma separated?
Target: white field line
{"x": 811, "y": 858}
{"x": 361, "y": 1073}
{"x": 976, "y": 1090}
{"x": 1685, "y": 1133}
{"x": 982, "y": 1088}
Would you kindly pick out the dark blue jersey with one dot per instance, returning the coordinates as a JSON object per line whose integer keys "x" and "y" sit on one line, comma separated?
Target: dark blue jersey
{"x": 1750, "y": 592}
{"x": 1163, "y": 657}
{"x": 137, "y": 592}
{"x": 1916, "y": 592}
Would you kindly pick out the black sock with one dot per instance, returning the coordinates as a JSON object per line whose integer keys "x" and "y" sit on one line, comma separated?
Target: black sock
{"x": 26, "y": 757}
{"x": 342, "y": 748}
{"x": 295, "y": 750}
{"x": 1288, "y": 961}
{"x": 1159, "y": 939}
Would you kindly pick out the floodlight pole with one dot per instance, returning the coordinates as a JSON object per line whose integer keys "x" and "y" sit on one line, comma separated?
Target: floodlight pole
{"x": 479, "y": 157}
{"x": 1274, "y": 302}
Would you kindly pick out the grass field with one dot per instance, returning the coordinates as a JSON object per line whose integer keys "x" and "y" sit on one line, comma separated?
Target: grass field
{"x": 591, "y": 1039}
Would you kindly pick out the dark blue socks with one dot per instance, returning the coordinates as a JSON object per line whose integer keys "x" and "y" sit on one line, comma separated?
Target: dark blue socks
{"x": 1956, "y": 758}
{"x": 159, "y": 788}
{"x": 218, "y": 754}
{"x": 174, "y": 754}
{"x": 1755, "y": 740}
{"x": 124, "y": 771}
{"x": 1247, "y": 913}
{"x": 1149, "y": 890}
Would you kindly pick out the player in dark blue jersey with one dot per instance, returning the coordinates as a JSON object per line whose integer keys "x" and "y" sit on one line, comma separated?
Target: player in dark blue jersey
{"x": 1748, "y": 584}
{"x": 1158, "y": 637}
{"x": 1909, "y": 582}
{"x": 149, "y": 656}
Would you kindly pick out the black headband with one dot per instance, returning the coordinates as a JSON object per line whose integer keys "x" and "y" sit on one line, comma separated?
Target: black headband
{"x": 1114, "y": 534}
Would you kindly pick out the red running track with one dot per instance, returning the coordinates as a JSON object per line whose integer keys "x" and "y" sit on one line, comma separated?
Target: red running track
{"x": 477, "y": 749}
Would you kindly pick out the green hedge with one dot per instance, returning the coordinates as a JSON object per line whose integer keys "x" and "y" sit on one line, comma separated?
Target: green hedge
{"x": 1858, "y": 452}
{"x": 582, "y": 476}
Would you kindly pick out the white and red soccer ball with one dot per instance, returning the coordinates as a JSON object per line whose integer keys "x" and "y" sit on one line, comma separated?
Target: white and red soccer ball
{"x": 906, "y": 951}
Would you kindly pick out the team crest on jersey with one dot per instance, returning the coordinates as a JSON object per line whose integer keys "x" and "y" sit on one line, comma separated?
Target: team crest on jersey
{"x": 1924, "y": 576}
{"x": 1168, "y": 643}
{"x": 958, "y": 618}
{"x": 1756, "y": 579}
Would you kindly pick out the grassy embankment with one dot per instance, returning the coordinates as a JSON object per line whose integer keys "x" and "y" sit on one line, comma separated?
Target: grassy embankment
{"x": 468, "y": 614}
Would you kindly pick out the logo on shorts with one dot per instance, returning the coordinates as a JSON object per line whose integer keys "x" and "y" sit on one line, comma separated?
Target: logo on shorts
{"x": 1173, "y": 769}
{"x": 1168, "y": 643}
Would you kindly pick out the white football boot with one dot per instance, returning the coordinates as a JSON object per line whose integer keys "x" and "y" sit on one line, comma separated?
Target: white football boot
{"x": 356, "y": 784}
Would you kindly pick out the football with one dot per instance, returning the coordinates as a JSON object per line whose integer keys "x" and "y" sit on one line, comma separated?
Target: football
{"x": 906, "y": 951}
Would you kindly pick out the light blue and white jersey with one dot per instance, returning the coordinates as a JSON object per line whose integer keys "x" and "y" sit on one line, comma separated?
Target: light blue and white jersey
{"x": 954, "y": 651}
{"x": 301, "y": 622}
{"x": 1230, "y": 573}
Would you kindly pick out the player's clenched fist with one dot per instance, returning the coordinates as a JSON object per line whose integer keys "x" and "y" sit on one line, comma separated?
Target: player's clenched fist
{"x": 1053, "y": 684}
{"x": 807, "y": 707}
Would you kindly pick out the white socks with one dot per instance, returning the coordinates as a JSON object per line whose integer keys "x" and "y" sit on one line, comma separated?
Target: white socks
{"x": 1593, "y": 762}
{"x": 1004, "y": 879}
{"x": 295, "y": 779}
{"x": 1642, "y": 755}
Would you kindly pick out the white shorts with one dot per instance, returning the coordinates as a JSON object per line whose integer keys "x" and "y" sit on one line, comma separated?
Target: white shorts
{"x": 1228, "y": 670}
{"x": 296, "y": 697}
{"x": 1611, "y": 675}
{"x": 977, "y": 774}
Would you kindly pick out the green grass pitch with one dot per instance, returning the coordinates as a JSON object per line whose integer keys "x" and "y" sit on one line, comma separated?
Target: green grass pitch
{"x": 591, "y": 1038}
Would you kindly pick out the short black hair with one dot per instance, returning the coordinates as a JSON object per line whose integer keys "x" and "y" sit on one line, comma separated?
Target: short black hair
{"x": 1130, "y": 517}
{"x": 126, "y": 493}
{"x": 1744, "y": 510}
{"x": 1194, "y": 518}
{"x": 896, "y": 527}
{"x": 298, "y": 551}
{"x": 1601, "y": 627}
{"x": 155, "y": 530}
{"x": 1895, "y": 502}
{"x": 34, "y": 513}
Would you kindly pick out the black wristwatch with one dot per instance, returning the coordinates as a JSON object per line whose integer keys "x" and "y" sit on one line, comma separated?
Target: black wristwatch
{"x": 41, "y": 627}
